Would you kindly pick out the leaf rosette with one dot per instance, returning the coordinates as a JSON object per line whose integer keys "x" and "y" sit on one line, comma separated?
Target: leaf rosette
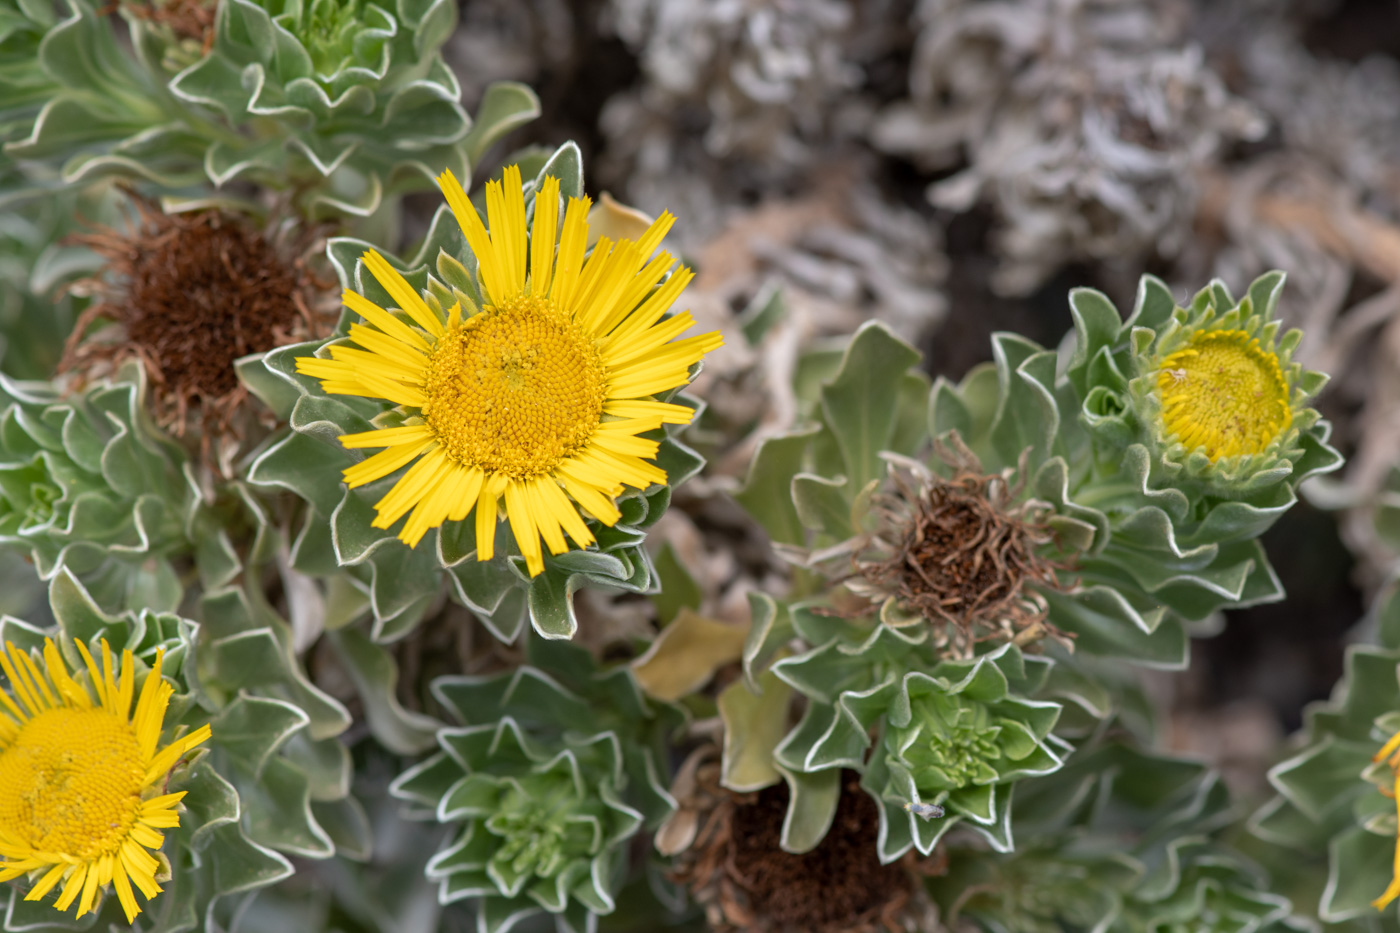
{"x": 273, "y": 783}
{"x": 555, "y": 768}
{"x": 1141, "y": 550}
{"x": 1119, "y": 839}
{"x": 349, "y": 97}
{"x": 1336, "y": 793}
{"x": 955, "y": 733}
{"x": 88, "y": 483}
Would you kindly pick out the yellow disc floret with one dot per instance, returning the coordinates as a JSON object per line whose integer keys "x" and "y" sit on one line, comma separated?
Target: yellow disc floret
{"x": 81, "y": 777}
{"x": 514, "y": 390}
{"x": 71, "y": 782}
{"x": 1224, "y": 393}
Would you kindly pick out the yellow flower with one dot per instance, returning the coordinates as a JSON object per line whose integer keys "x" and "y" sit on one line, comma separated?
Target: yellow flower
{"x": 1224, "y": 392}
{"x": 80, "y": 778}
{"x": 541, "y": 396}
{"x": 1391, "y": 750}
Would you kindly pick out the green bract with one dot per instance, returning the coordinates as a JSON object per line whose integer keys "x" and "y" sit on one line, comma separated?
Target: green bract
{"x": 336, "y": 537}
{"x": 954, "y": 733}
{"x": 274, "y": 782}
{"x": 555, "y": 769}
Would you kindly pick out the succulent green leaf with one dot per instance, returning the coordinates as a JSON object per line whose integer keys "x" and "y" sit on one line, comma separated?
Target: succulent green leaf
{"x": 812, "y": 806}
{"x": 754, "y": 724}
{"x": 504, "y": 106}
{"x": 402, "y": 731}
{"x": 859, "y": 403}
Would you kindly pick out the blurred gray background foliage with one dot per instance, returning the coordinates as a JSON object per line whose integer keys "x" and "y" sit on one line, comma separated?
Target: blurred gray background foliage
{"x": 952, "y": 167}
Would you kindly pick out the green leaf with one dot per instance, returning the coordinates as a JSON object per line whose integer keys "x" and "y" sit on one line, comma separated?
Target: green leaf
{"x": 860, "y": 402}
{"x": 504, "y": 106}
{"x": 822, "y": 504}
{"x": 770, "y": 629}
{"x": 566, "y": 164}
{"x": 678, "y": 588}
{"x": 1359, "y": 870}
{"x": 551, "y": 603}
{"x": 754, "y": 724}
{"x": 811, "y": 808}
{"x": 767, "y": 493}
{"x": 402, "y": 731}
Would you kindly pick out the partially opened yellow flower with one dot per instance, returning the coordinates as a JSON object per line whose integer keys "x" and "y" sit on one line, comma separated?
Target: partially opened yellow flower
{"x": 541, "y": 396}
{"x": 1225, "y": 393}
{"x": 81, "y": 778}
{"x": 1391, "y": 752}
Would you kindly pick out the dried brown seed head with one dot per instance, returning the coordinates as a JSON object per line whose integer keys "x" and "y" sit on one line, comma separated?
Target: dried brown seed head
{"x": 964, "y": 553}
{"x": 738, "y": 872}
{"x": 188, "y": 295}
{"x": 186, "y": 19}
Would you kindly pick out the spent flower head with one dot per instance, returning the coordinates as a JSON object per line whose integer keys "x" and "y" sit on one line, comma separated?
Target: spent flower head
{"x": 728, "y": 849}
{"x": 82, "y": 777}
{"x": 190, "y": 294}
{"x": 539, "y": 398}
{"x": 964, "y": 553}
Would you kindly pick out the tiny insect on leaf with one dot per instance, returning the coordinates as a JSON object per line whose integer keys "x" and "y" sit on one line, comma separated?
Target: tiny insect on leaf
{"x": 929, "y": 811}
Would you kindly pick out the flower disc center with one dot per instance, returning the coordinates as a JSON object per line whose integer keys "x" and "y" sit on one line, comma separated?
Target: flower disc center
{"x": 70, "y": 783}
{"x": 515, "y": 389}
{"x": 1225, "y": 393}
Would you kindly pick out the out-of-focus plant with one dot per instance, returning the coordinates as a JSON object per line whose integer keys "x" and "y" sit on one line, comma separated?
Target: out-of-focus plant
{"x": 1086, "y": 128}
{"x": 1336, "y": 793}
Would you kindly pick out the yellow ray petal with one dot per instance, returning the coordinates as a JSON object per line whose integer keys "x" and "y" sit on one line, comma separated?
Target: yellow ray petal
{"x": 668, "y": 412}
{"x": 557, "y": 504}
{"x": 598, "y": 505}
{"x": 633, "y": 291}
{"x": 469, "y": 481}
{"x": 387, "y": 437}
{"x": 573, "y": 242}
{"x": 542, "y": 237}
{"x": 522, "y": 525}
{"x": 545, "y": 519}
{"x": 384, "y": 321}
{"x": 409, "y": 490}
{"x": 486, "y": 505}
{"x": 488, "y": 268}
{"x": 404, "y": 294}
{"x": 650, "y": 311}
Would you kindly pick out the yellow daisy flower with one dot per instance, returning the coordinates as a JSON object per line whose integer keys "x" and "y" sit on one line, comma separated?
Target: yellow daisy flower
{"x": 541, "y": 396}
{"x": 81, "y": 777}
{"x": 1391, "y": 752}
{"x": 1224, "y": 392}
